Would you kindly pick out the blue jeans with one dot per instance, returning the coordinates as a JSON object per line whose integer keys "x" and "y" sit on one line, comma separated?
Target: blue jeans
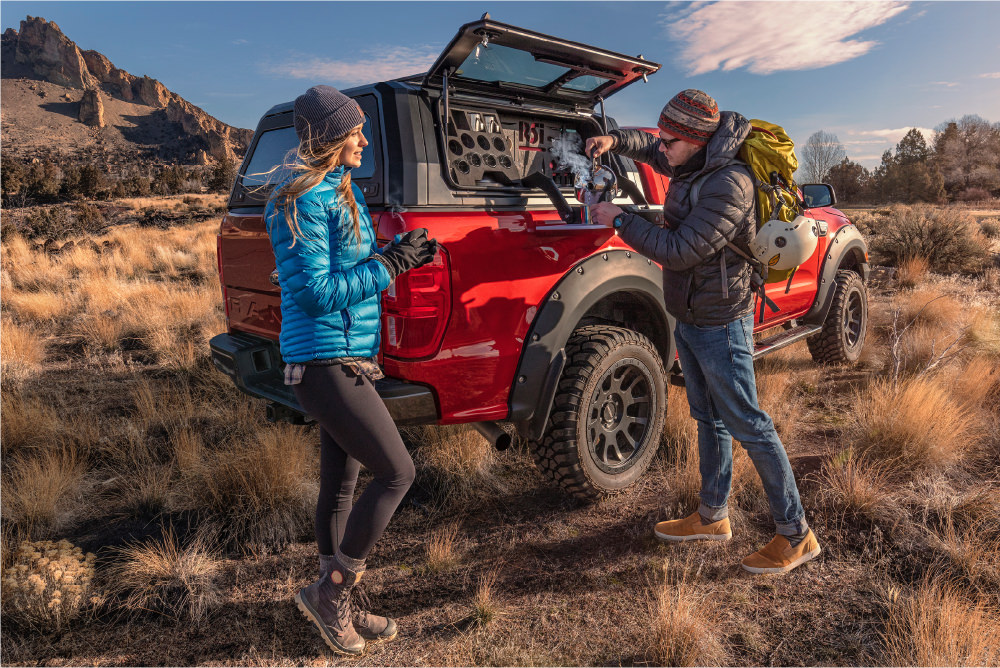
{"x": 717, "y": 362}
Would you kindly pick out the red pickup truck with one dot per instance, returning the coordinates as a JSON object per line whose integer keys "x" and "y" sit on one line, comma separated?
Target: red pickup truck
{"x": 526, "y": 316}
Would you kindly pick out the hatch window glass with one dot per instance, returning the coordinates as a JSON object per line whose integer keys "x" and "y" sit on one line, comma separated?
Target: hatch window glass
{"x": 586, "y": 83}
{"x": 501, "y": 63}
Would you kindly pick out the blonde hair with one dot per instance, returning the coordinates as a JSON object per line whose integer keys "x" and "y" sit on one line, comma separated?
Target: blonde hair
{"x": 311, "y": 160}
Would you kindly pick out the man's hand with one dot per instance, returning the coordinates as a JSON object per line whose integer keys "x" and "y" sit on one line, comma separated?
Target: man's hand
{"x": 595, "y": 146}
{"x": 604, "y": 213}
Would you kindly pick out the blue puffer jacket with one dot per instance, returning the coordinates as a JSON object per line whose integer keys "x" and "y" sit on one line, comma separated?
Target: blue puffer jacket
{"x": 330, "y": 304}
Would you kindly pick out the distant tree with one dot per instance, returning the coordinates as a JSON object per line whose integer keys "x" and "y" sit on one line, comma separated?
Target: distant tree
{"x": 44, "y": 181}
{"x": 93, "y": 184}
{"x": 13, "y": 179}
{"x": 70, "y": 188}
{"x": 909, "y": 176}
{"x": 967, "y": 154}
{"x": 223, "y": 175}
{"x": 821, "y": 152}
{"x": 849, "y": 179}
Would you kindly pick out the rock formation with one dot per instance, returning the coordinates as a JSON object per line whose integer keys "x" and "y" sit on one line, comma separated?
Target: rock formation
{"x": 42, "y": 48}
{"x": 91, "y": 109}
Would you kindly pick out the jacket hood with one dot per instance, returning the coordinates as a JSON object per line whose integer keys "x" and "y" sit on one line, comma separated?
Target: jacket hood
{"x": 725, "y": 143}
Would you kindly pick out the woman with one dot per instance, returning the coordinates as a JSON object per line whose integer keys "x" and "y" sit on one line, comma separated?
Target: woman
{"x": 331, "y": 275}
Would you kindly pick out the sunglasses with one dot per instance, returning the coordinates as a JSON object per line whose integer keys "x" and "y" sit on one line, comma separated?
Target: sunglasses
{"x": 667, "y": 143}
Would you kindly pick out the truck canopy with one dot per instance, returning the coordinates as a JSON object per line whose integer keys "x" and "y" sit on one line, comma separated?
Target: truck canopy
{"x": 503, "y": 61}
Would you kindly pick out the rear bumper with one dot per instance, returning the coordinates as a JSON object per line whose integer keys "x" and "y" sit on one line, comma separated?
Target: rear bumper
{"x": 254, "y": 365}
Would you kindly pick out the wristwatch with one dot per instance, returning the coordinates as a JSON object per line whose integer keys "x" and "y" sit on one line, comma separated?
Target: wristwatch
{"x": 618, "y": 221}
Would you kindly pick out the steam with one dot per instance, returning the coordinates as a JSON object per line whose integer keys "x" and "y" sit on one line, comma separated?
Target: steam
{"x": 567, "y": 150}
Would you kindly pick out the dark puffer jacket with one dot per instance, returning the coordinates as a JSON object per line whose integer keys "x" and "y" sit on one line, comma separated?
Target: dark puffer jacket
{"x": 696, "y": 263}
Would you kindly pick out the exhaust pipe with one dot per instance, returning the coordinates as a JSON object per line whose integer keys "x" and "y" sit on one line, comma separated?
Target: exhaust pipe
{"x": 492, "y": 432}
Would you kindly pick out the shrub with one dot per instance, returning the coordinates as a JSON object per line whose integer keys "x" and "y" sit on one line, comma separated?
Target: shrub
{"x": 912, "y": 271}
{"x": 485, "y": 606}
{"x": 947, "y": 237}
{"x": 49, "y": 584}
{"x": 251, "y": 496}
{"x": 88, "y": 218}
{"x": 163, "y": 576}
{"x": 990, "y": 227}
{"x": 681, "y": 625}
{"x": 934, "y": 626}
{"x": 441, "y": 553}
{"x": 917, "y": 425}
{"x": 48, "y": 222}
{"x": 853, "y": 484}
{"x": 455, "y": 464}
{"x": 974, "y": 194}
{"x": 41, "y": 493}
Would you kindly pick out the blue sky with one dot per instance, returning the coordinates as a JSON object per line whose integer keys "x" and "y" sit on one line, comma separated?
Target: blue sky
{"x": 864, "y": 71}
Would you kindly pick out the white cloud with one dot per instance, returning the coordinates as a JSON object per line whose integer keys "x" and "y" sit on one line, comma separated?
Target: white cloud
{"x": 949, "y": 84}
{"x": 896, "y": 134}
{"x": 376, "y": 64}
{"x": 990, "y": 75}
{"x": 767, "y": 37}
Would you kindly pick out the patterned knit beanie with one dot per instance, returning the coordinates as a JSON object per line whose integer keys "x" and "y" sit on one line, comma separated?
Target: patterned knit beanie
{"x": 323, "y": 113}
{"x": 691, "y": 115}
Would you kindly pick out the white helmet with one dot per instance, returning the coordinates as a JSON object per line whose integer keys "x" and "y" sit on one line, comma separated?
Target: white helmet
{"x": 781, "y": 245}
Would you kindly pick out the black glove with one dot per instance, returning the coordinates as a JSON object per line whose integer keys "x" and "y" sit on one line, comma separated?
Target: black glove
{"x": 412, "y": 250}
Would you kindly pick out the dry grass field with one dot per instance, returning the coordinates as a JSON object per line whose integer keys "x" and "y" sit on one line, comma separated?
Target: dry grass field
{"x": 122, "y": 441}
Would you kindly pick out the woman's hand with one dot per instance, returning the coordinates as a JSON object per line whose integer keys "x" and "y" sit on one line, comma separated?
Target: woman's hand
{"x": 604, "y": 213}
{"x": 595, "y": 146}
{"x": 412, "y": 250}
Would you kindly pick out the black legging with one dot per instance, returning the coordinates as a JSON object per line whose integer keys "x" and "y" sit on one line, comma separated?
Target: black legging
{"x": 355, "y": 429}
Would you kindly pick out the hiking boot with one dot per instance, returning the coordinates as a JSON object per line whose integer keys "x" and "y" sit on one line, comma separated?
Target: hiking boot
{"x": 369, "y": 626}
{"x": 692, "y": 528}
{"x": 327, "y": 604}
{"x": 779, "y": 556}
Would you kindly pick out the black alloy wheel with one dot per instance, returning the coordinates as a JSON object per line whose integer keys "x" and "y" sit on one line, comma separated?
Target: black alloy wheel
{"x": 608, "y": 412}
{"x": 842, "y": 337}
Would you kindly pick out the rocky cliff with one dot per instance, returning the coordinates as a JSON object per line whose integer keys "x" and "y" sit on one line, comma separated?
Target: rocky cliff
{"x": 112, "y": 107}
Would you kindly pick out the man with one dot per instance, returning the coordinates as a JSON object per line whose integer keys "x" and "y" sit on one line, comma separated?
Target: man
{"x": 707, "y": 289}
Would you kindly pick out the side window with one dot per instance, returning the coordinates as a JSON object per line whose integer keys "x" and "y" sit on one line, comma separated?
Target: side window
{"x": 270, "y": 152}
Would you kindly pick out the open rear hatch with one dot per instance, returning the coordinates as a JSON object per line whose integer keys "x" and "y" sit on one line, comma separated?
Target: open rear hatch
{"x": 497, "y": 60}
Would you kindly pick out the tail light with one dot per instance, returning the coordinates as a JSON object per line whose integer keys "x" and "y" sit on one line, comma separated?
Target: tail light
{"x": 415, "y": 310}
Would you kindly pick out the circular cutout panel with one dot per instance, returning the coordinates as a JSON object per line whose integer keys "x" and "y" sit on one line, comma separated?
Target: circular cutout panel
{"x": 462, "y": 166}
{"x": 505, "y": 161}
{"x": 499, "y": 144}
{"x": 468, "y": 140}
{"x": 474, "y": 159}
{"x": 490, "y": 160}
{"x": 455, "y": 147}
{"x": 484, "y": 143}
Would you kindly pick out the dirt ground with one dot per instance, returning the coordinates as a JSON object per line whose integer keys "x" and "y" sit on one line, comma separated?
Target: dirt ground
{"x": 572, "y": 583}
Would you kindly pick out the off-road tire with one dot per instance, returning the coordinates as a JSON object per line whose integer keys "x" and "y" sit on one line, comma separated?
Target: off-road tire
{"x": 843, "y": 335}
{"x": 591, "y": 408}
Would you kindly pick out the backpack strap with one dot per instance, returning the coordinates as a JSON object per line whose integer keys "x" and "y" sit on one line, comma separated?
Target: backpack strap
{"x": 759, "y": 280}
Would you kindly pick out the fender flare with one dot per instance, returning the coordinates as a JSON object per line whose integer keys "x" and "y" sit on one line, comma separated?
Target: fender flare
{"x": 585, "y": 285}
{"x": 846, "y": 244}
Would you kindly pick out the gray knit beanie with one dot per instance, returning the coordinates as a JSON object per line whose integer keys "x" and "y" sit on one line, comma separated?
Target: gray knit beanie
{"x": 691, "y": 115}
{"x": 323, "y": 113}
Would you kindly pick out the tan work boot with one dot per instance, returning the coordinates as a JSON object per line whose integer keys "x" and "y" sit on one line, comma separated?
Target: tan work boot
{"x": 371, "y": 627}
{"x": 779, "y": 556}
{"x": 327, "y": 604}
{"x": 692, "y": 528}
